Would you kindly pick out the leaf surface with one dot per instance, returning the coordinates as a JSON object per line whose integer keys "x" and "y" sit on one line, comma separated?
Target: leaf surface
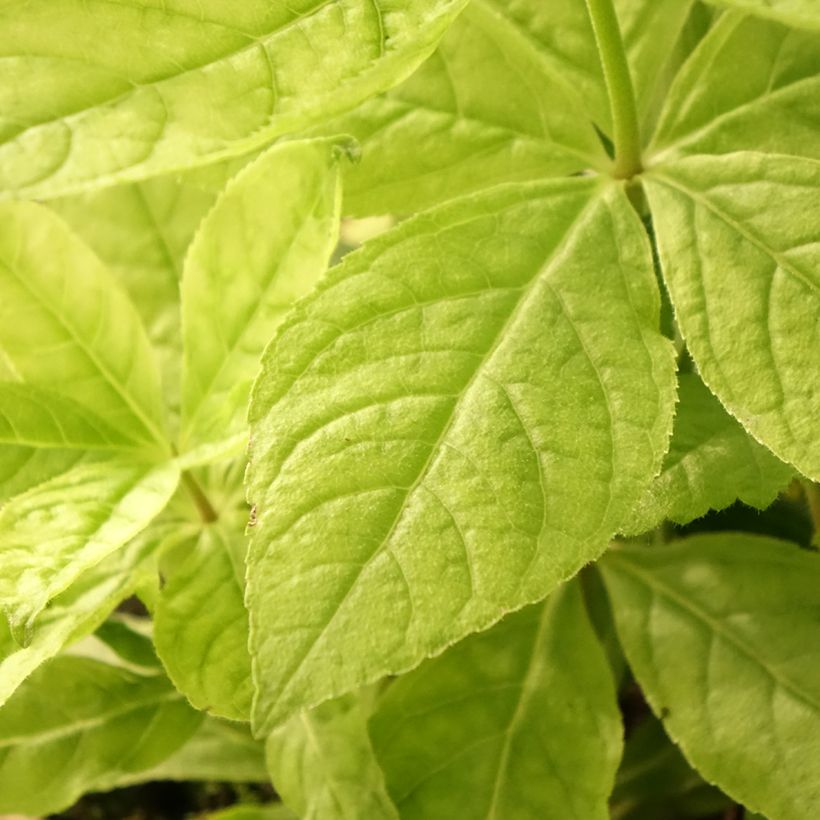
{"x": 264, "y": 244}
{"x": 521, "y": 721}
{"x": 217, "y": 751}
{"x": 141, "y": 232}
{"x": 75, "y": 723}
{"x": 36, "y": 417}
{"x": 52, "y": 534}
{"x": 447, "y": 429}
{"x": 485, "y": 108}
{"x": 75, "y": 612}
{"x": 772, "y": 105}
{"x": 737, "y": 236}
{"x": 720, "y": 631}
{"x": 201, "y": 625}
{"x": 188, "y": 83}
{"x": 66, "y": 326}
{"x": 711, "y": 462}
{"x": 800, "y": 13}
{"x": 322, "y": 764}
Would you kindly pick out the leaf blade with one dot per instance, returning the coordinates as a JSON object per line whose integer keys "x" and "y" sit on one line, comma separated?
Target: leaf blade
{"x": 466, "y": 733}
{"x": 332, "y": 405}
{"x": 210, "y": 87}
{"x": 249, "y": 261}
{"x": 738, "y": 609}
{"x": 739, "y": 257}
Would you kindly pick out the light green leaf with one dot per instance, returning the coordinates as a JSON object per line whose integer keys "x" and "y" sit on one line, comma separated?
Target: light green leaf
{"x": 201, "y": 625}
{"x": 721, "y": 633}
{"x": 507, "y": 96}
{"x": 66, "y": 326}
{"x": 711, "y": 462}
{"x": 447, "y": 429}
{"x": 77, "y": 611}
{"x": 321, "y": 762}
{"x": 217, "y": 751}
{"x": 76, "y": 723}
{"x": 22, "y": 468}
{"x": 562, "y": 33}
{"x": 141, "y": 232}
{"x": 800, "y": 13}
{"x": 35, "y": 417}
{"x": 737, "y": 236}
{"x": 52, "y": 534}
{"x": 485, "y": 108}
{"x": 187, "y": 84}
{"x": 654, "y": 777}
{"x": 772, "y": 105}
{"x": 518, "y": 722}
{"x": 265, "y": 243}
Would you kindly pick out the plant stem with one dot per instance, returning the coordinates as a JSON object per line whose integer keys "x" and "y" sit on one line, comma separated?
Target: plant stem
{"x": 206, "y": 511}
{"x": 627, "y": 137}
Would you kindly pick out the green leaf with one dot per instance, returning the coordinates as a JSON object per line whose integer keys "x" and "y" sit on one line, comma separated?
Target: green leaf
{"x": 77, "y": 611}
{"x": 35, "y": 417}
{"x": 141, "y": 232}
{"x": 66, "y": 326}
{"x": 52, "y": 534}
{"x": 187, "y": 84}
{"x": 518, "y": 722}
{"x": 720, "y": 631}
{"x": 217, "y": 751}
{"x": 772, "y": 105}
{"x": 800, "y": 13}
{"x": 485, "y": 108}
{"x": 507, "y": 96}
{"x": 447, "y": 429}
{"x": 737, "y": 236}
{"x": 22, "y": 468}
{"x": 265, "y": 243}
{"x": 119, "y": 721}
{"x": 655, "y": 780}
{"x": 322, "y": 764}
{"x": 711, "y": 462}
{"x": 201, "y": 625}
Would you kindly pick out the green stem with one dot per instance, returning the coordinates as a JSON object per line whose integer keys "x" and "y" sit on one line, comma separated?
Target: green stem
{"x": 627, "y": 136}
{"x": 206, "y": 511}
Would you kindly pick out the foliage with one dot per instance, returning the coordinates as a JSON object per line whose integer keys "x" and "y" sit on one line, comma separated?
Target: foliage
{"x": 408, "y": 518}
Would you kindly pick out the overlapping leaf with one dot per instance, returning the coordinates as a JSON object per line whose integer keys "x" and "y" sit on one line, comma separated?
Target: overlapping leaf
{"x": 772, "y": 105}
{"x": 201, "y": 625}
{"x": 52, "y": 534}
{"x": 187, "y": 83}
{"x": 323, "y": 766}
{"x": 265, "y": 243}
{"x": 76, "y": 724}
{"x": 738, "y": 244}
{"x": 803, "y": 13}
{"x": 447, "y": 429}
{"x": 521, "y": 721}
{"x": 711, "y": 462}
{"x": 721, "y": 633}
{"x": 509, "y": 95}
{"x": 66, "y": 326}
{"x": 77, "y": 611}
{"x": 141, "y": 232}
